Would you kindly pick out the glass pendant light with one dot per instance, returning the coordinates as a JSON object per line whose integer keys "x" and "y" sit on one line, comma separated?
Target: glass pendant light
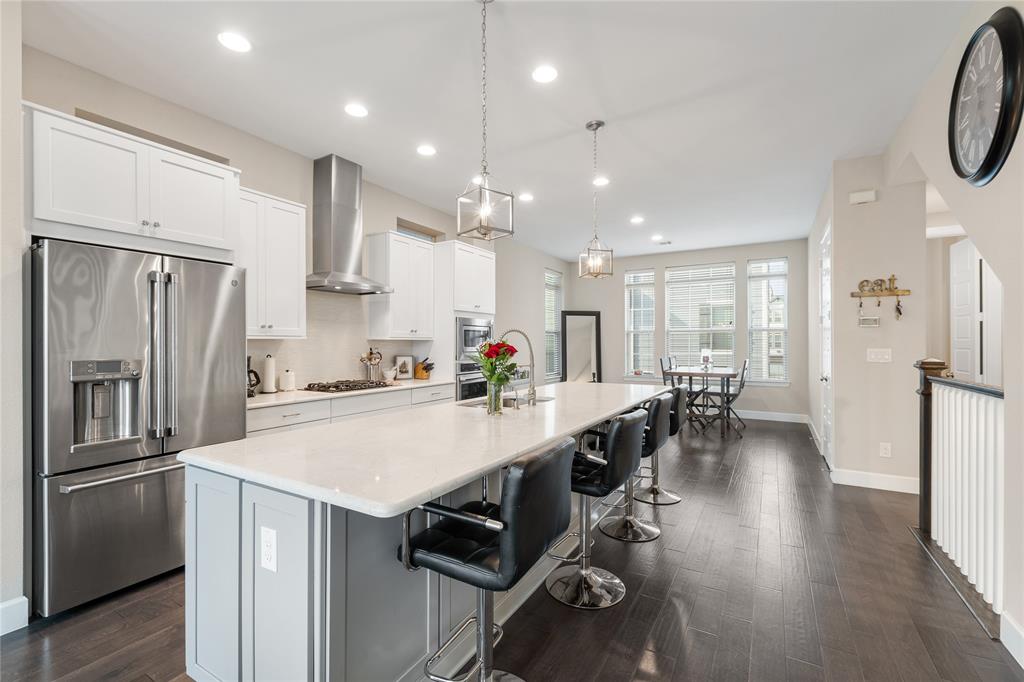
{"x": 483, "y": 212}
{"x": 596, "y": 258}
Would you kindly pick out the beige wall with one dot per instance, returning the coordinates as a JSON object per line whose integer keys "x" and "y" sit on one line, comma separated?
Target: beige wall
{"x": 993, "y": 217}
{"x": 11, "y": 327}
{"x": 874, "y": 402}
{"x": 607, "y": 295}
{"x": 520, "y": 286}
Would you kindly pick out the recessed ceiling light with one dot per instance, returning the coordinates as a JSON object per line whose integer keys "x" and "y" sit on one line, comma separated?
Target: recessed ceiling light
{"x": 234, "y": 41}
{"x": 656, "y": 237}
{"x": 525, "y": 196}
{"x": 356, "y": 109}
{"x": 545, "y": 73}
{"x": 600, "y": 181}
{"x": 637, "y": 219}
{"x": 426, "y": 150}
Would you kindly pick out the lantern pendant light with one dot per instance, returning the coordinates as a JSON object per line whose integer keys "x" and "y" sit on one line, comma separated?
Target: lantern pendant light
{"x": 596, "y": 258}
{"x": 483, "y": 212}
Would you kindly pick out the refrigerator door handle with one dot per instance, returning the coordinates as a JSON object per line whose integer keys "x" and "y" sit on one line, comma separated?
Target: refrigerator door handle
{"x": 65, "y": 489}
{"x": 172, "y": 353}
{"x": 157, "y": 332}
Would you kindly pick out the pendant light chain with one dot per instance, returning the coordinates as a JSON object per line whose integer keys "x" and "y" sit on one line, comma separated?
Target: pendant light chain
{"x": 483, "y": 87}
{"x": 595, "y": 178}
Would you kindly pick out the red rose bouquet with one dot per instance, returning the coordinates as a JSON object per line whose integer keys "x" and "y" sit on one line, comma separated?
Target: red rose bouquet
{"x": 496, "y": 361}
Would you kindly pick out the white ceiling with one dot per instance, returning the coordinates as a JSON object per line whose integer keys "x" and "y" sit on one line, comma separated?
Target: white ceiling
{"x": 723, "y": 118}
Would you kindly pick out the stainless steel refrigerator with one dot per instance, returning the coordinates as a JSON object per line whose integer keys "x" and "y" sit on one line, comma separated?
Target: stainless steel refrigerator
{"x": 135, "y": 357}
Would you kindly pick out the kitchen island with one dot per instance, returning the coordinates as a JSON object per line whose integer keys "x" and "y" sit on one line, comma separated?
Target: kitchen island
{"x": 291, "y": 569}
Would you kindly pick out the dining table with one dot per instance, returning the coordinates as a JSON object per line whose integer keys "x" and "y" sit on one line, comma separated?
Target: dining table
{"x": 706, "y": 373}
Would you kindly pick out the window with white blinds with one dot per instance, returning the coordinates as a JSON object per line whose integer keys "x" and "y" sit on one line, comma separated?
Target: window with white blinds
{"x": 700, "y": 313}
{"x": 640, "y": 323}
{"x": 552, "y": 324}
{"x": 768, "y": 319}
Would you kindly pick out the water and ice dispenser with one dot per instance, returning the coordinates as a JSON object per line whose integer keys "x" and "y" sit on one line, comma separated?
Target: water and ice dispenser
{"x": 106, "y": 400}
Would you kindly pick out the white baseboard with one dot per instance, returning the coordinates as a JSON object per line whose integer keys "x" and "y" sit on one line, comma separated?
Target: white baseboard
{"x": 774, "y": 416}
{"x": 13, "y": 614}
{"x": 868, "y": 479}
{"x": 814, "y": 435}
{"x": 1011, "y": 634}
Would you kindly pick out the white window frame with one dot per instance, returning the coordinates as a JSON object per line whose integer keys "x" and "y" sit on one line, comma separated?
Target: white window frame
{"x": 700, "y": 274}
{"x": 646, "y": 283}
{"x": 768, "y": 328}
{"x": 553, "y": 281}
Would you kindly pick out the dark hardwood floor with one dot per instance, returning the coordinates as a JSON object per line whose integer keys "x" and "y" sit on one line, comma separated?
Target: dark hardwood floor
{"x": 765, "y": 571}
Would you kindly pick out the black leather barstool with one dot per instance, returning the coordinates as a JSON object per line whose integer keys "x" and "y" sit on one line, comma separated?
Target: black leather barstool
{"x": 491, "y": 546}
{"x": 580, "y": 584}
{"x": 628, "y": 527}
{"x": 666, "y": 425}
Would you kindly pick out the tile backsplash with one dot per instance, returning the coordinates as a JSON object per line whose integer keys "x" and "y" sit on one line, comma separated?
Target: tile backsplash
{"x": 335, "y": 338}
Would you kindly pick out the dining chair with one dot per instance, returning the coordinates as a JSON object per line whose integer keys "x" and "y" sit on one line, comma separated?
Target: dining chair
{"x": 666, "y": 364}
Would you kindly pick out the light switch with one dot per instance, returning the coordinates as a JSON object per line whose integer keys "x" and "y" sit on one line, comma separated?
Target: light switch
{"x": 879, "y": 354}
{"x": 268, "y": 549}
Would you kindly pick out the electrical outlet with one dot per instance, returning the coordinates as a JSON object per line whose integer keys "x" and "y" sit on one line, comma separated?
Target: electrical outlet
{"x": 885, "y": 450}
{"x": 879, "y": 354}
{"x": 268, "y": 549}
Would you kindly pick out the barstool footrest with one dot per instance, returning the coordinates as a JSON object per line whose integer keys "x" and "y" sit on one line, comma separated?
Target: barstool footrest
{"x": 439, "y": 654}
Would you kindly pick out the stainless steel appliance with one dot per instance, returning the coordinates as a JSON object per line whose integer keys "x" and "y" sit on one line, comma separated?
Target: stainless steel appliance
{"x": 342, "y": 385}
{"x": 470, "y": 385}
{"x": 135, "y": 357}
{"x": 470, "y": 332}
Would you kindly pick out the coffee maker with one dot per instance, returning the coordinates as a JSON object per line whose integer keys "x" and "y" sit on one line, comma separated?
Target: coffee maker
{"x": 252, "y": 378}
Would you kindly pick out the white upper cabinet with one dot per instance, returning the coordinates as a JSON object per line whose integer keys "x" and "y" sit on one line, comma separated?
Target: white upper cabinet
{"x": 406, "y": 265}
{"x": 272, "y": 249}
{"x": 473, "y": 279}
{"x": 86, "y": 175}
{"x": 192, "y": 201}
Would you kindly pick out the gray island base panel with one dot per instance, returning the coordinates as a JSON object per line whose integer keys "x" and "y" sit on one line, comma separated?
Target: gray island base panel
{"x": 291, "y": 569}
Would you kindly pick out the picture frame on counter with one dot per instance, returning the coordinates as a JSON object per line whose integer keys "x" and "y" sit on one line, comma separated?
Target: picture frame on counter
{"x": 405, "y": 365}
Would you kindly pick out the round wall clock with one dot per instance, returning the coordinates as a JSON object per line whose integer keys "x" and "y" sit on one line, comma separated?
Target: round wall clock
{"x": 988, "y": 98}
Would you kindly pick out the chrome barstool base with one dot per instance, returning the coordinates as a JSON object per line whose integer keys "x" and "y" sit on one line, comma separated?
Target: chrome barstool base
{"x": 629, "y": 529}
{"x": 502, "y": 676}
{"x": 592, "y": 588}
{"x": 657, "y": 496}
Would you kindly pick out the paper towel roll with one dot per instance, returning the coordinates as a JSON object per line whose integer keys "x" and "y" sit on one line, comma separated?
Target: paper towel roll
{"x": 287, "y": 382}
{"x": 269, "y": 375}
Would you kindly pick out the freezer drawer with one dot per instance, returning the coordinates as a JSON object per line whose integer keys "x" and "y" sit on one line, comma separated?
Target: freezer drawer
{"x": 104, "y": 529}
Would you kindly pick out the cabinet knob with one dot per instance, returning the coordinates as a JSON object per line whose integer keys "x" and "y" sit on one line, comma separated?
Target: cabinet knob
{"x": 263, "y": 326}
{"x": 156, "y": 224}
{"x": 270, "y": 326}
{"x": 476, "y": 306}
{"x": 145, "y": 223}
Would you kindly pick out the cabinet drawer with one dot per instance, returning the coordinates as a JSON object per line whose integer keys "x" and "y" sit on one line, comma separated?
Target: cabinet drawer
{"x": 289, "y": 427}
{"x": 285, "y": 415}
{"x": 429, "y": 394}
{"x": 342, "y": 407}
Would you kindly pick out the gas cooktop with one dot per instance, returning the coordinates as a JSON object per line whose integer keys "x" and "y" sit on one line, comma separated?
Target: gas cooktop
{"x": 343, "y": 385}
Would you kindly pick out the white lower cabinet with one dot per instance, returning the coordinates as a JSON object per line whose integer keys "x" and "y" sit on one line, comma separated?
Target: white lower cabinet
{"x": 272, "y": 249}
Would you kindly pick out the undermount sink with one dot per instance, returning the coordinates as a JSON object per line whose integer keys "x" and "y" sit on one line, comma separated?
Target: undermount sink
{"x": 506, "y": 401}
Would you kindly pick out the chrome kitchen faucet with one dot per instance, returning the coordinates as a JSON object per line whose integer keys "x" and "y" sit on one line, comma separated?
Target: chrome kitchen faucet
{"x": 531, "y": 394}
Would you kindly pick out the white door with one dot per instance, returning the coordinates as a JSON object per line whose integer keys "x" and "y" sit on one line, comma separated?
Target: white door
{"x": 401, "y": 279}
{"x": 825, "y": 309}
{"x": 192, "y": 201}
{"x": 247, "y": 255}
{"x": 990, "y": 369}
{"x": 284, "y": 265}
{"x": 466, "y": 271}
{"x": 486, "y": 286}
{"x": 85, "y": 176}
{"x": 423, "y": 302}
{"x": 962, "y": 309}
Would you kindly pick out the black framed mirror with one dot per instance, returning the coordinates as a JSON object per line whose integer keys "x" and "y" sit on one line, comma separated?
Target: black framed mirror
{"x": 581, "y": 345}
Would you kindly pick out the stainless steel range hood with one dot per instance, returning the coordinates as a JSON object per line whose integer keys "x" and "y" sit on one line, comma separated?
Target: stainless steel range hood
{"x": 338, "y": 229}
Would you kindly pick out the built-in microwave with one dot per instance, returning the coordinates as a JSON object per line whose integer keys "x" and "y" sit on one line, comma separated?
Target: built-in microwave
{"x": 469, "y": 334}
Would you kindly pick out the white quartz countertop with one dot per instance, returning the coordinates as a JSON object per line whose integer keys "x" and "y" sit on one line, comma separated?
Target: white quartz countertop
{"x": 291, "y": 397}
{"x": 384, "y": 465}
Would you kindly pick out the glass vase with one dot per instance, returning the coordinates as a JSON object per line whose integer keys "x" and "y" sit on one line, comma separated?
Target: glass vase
{"x": 494, "y": 392}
